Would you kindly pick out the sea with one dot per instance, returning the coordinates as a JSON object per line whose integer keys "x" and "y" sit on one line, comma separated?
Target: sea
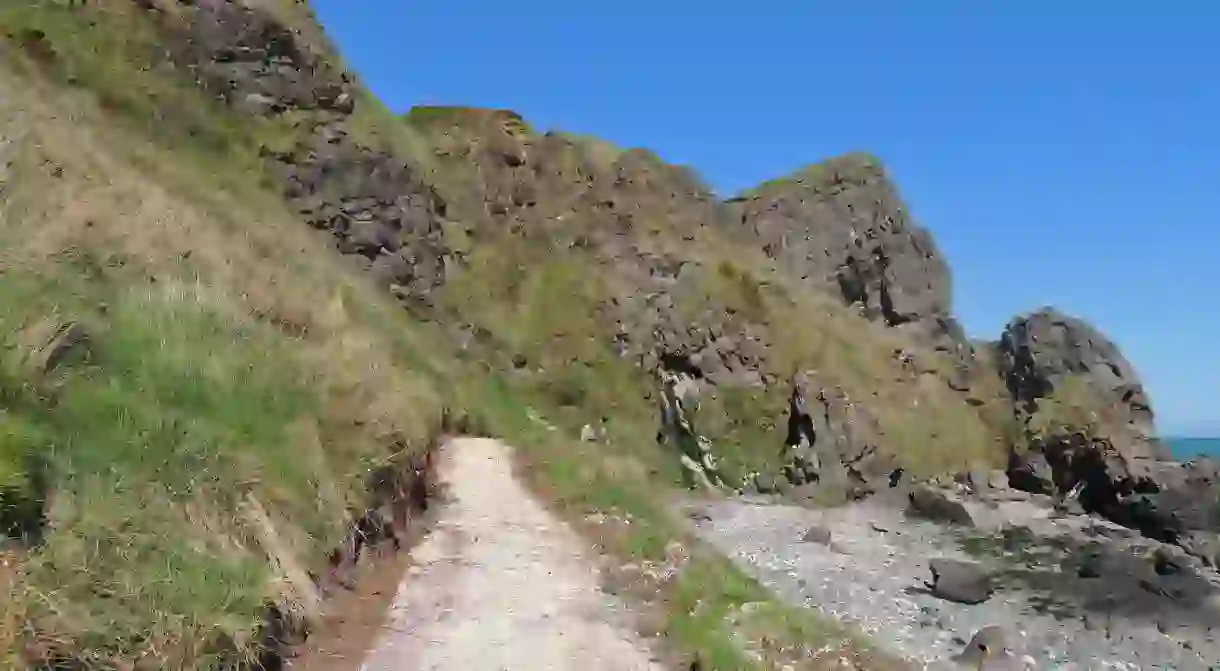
{"x": 1189, "y": 448}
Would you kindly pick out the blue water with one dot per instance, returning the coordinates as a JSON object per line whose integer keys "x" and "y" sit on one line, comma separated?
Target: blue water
{"x": 1189, "y": 448}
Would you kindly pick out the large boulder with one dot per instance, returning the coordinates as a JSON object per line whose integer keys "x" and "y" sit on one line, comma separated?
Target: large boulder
{"x": 1090, "y": 430}
{"x": 1064, "y": 374}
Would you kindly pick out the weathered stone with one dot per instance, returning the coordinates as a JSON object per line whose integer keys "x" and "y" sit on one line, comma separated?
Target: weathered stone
{"x": 251, "y": 60}
{"x": 1089, "y": 562}
{"x": 1047, "y": 352}
{"x": 1203, "y": 545}
{"x": 46, "y": 344}
{"x": 391, "y": 268}
{"x": 1030, "y": 472}
{"x": 765, "y": 483}
{"x": 817, "y": 534}
{"x": 936, "y": 505}
{"x": 960, "y": 581}
{"x": 842, "y": 226}
{"x": 368, "y": 198}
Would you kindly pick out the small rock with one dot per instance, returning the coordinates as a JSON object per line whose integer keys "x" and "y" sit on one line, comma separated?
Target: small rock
{"x": 997, "y": 479}
{"x": 960, "y": 581}
{"x": 936, "y": 505}
{"x": 817, "y": 534}
{"x": 1153, "y": 588}
{"x": 52, "y": 344}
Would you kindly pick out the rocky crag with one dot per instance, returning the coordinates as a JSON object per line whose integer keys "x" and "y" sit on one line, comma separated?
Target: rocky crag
{"x": 723, "y": 289}
{"x": 583, "y": 270}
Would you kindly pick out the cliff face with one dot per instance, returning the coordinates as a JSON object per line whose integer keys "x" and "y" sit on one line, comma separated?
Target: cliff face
{"x": 351, "y": 184}
{"x": 570, "y": 266}
{"x": 670, "y": 273}
{"x": 842, "y": 226}
{"x": 681, "y": 284}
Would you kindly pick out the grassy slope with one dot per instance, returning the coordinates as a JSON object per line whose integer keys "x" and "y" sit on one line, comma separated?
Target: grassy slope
{"x": 235, "y": 364}
{"x": 232, "y": 362}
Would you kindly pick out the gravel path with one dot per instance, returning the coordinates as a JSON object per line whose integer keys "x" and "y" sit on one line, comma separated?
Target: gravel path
{"x": 871, "y": 576}
{"x": 502, "y": 585}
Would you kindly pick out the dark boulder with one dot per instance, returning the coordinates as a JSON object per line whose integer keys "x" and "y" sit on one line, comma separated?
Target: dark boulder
{"x": 1089, "y": 561}
{"x": 251, "y": 60}
{"x": 363, "y": 193}
{"x": 765, "y": 483}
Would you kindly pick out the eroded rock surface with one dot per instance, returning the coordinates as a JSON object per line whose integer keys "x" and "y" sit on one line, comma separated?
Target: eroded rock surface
{"x": 1049, "y": 356}
{"x": 369, "y": 197}
{"x": 842, "y": 226}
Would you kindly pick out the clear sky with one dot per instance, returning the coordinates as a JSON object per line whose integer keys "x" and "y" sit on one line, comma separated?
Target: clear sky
{"x": 1061, "y": 153}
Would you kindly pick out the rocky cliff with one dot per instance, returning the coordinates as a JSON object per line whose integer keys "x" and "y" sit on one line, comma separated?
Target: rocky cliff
{"x": 741, "y": 292}
{"x": 580, "y": 270}
{"x": 340, "y": 180}
{"x": 842, "y": 226}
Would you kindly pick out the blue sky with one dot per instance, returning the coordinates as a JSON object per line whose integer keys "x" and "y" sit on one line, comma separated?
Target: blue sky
{"x": 1060, "y": 157}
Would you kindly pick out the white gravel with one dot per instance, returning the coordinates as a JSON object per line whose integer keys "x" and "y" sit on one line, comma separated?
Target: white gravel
{"x": 871, "y": 574}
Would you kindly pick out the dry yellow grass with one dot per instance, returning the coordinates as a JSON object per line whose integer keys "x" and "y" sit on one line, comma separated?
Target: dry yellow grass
{"x": 183, "y": 276}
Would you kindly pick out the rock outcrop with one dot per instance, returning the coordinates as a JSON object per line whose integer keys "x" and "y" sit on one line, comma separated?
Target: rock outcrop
{"x": 252, "y": 60}
{"x": 373, "y": 201}
{"x": 681, "y": 275}
{"x": 1090, "y": 431}
{"x": 842, "y": 226}
{"x": 1051, "y": 358}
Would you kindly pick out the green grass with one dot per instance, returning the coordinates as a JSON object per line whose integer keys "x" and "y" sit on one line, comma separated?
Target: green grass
{"x": 173, "y": 407}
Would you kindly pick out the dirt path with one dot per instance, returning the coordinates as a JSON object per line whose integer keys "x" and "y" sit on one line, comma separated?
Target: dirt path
{"x": 500, "y": 584}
